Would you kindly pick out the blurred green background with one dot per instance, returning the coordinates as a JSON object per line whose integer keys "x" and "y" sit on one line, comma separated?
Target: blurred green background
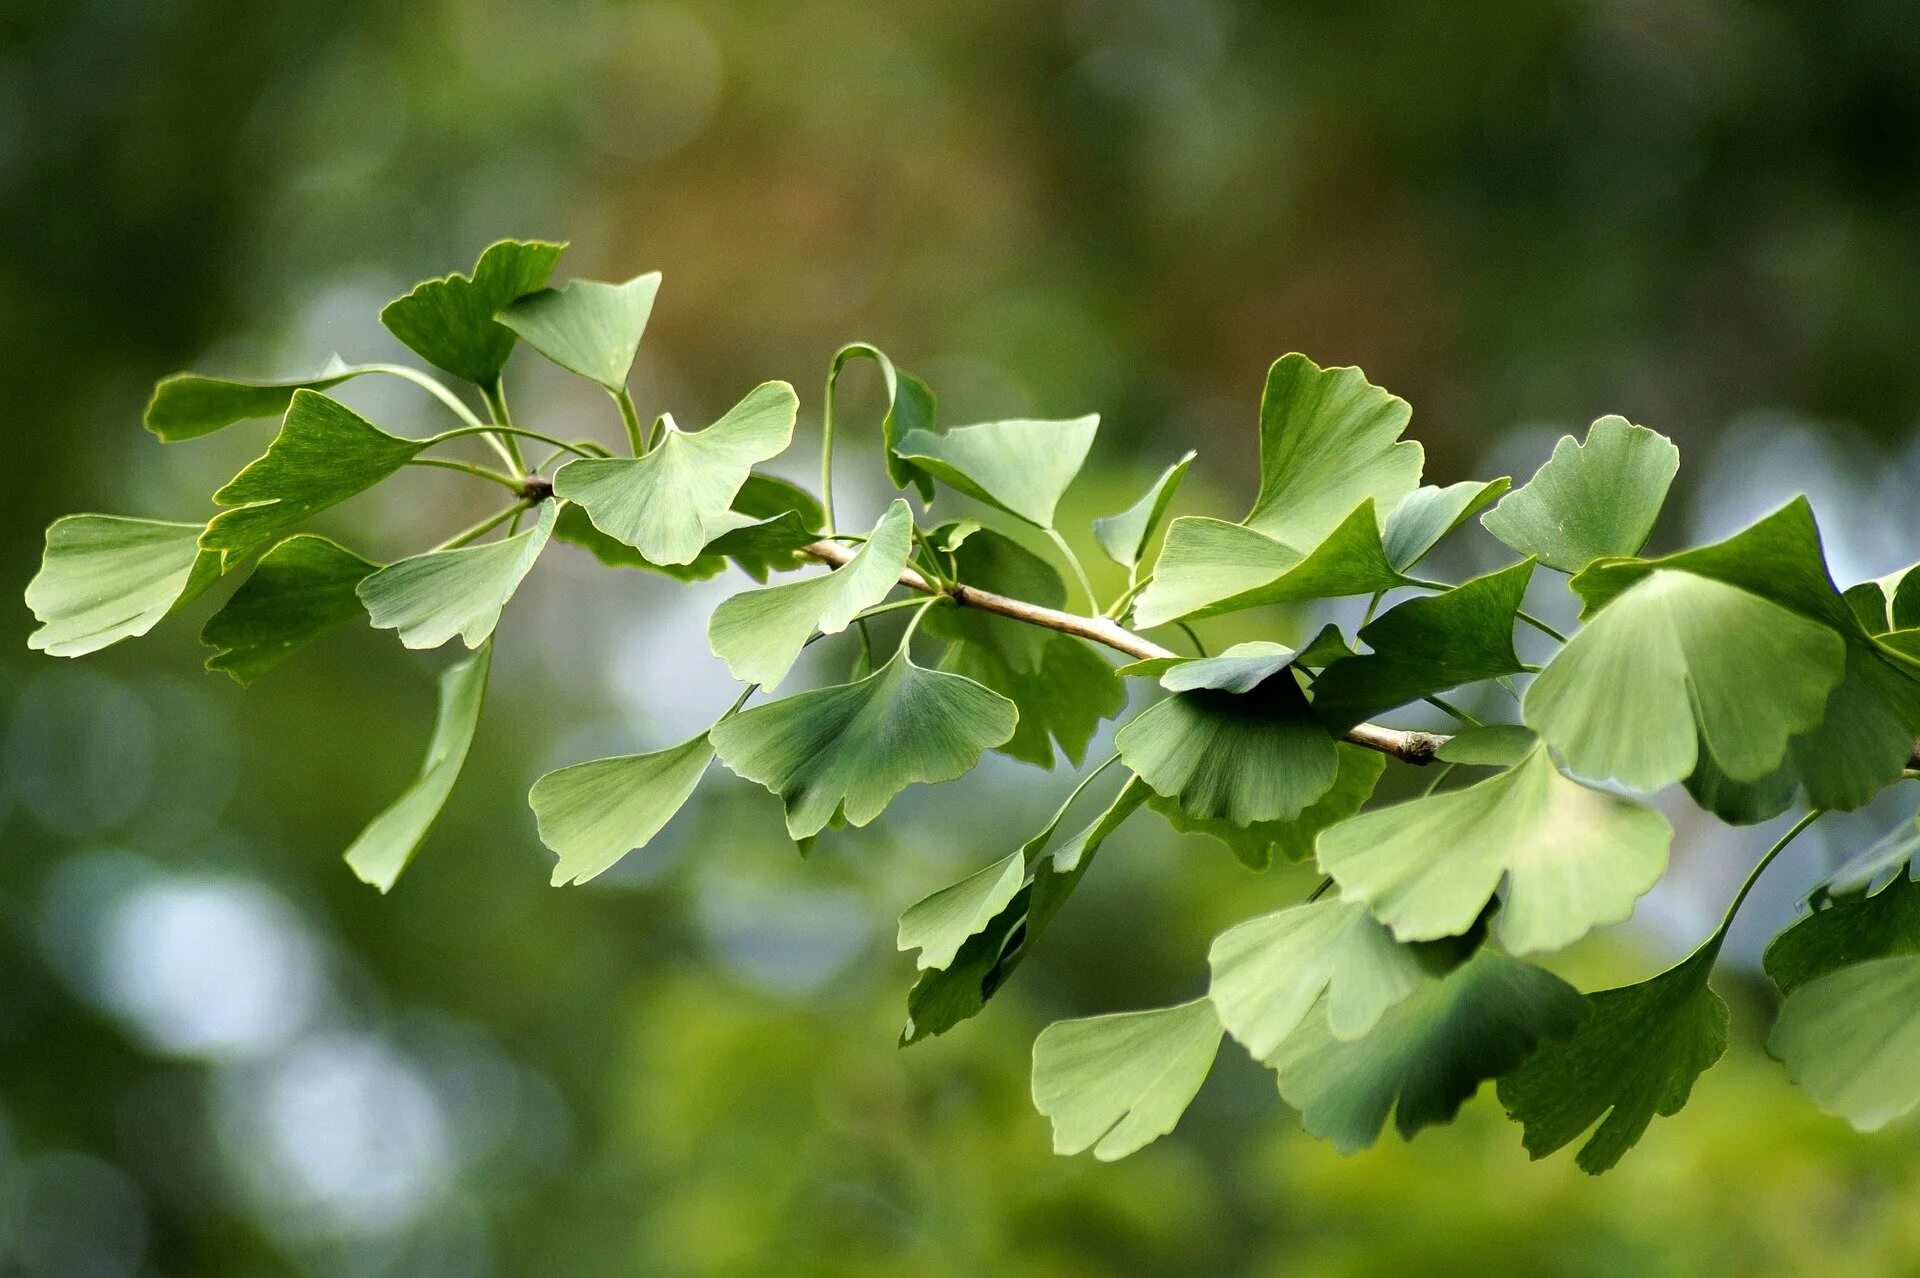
{"x": 221, "y": 1054}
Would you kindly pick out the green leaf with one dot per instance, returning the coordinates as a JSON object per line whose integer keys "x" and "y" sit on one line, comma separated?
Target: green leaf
{"x": 1255, "y": 756}
{"x": 588, "y": 327}
{"x": 943, "y": 997}
{"x": 1591, "y": 500}
{"x": 940, "y": 924}
{"x": 592, "y": 814}
{"x": 783, "y": 519}
{"x": 300, "y": 589}
{"x": 1255, "y": 845}
{"x": 844, "y": 752}
{"x": 325, "y": 453}
{"x": 1124, "y": 537}
{"x": 1270, "y": 972}
{"x": 431, "y": 598}
{"x": 1871, "y": 869}
{"x": 1209, "y": 567}
{"x": 1241, "y": 668}
{"x": 105, "y": 578}
{"x": 1428, "y": 514}
{"x": 1843, "y": 931}
{"x": 760, "y": 633}
{"x": 670, "y": 503}
{"x": 449, "y": 322}
{"x": 1571, "y": 858}
{"x": 1851, "y": 1040}
{"x": 1670, "y": 665}
{"x": 1636, "y": 1055}
{"x": 1115, "y": 1083}
{"x": 390, "y": 840}
{"x": 1428, "y": 1054}
{"x": 1427, "y": 645}
{"x": 910, "y": 408}
{"x": 1064, "y": 689}
{"x": 1496, "y": 745}
{"x": 1021, "y": 467}
{"x": 189, "y": 405}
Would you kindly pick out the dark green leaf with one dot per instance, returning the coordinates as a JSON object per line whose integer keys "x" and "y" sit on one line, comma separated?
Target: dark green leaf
{"x": 189, "y": 405}
{"x": 300, "y": 589}
{"x": 449, "y": 322}
{"x": 1843, "y": 932}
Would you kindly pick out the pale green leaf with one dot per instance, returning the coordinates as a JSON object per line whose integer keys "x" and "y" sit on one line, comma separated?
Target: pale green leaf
{"x": 784, "y": 518}
{"x": 588, "y": 327}
{"x": 1115, "y": 1083}
{"x": 1241, "y": 668}
{"x": 431, "y": 598}
{"x": 940, "y": 924}
{"x": 670, "y": 503}
{"x": 449, "y": 322}
{"x": 1496, "y": 745}
{"x": 1428, "y": 514}
{"x": 299, "y": 590}
{"x": 1021, "y": 467}
{"x": 390, "y": 840}
{"x": 1124, "y": 537}
{"x": 760, "y": 633}
{"x": 105, "y": 578}
{"x": 592, "y": 814}
{"x": 1851, "y": 1040}
{"x": 1591, "y": 500}
{"x": 844, "y": 752}
{"x": 1571, "y": 859}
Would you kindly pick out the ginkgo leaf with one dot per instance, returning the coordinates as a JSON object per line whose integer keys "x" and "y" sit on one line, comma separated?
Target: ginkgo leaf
{"x": 189, "y": 405}
{"x": 592, "y": 814}
{"x": 945, "y": 996}
{"x": 1571, "y": 858}
{"x": 760, "y": 633}
{"x": 1209, "y": 567}
{"x": 1241, "y": 668}
{"x": 1115, "y": 1083}
{"x": 299, "y": 590}
{"x": 1428, "y": 1054}
{"x": 1670, "y": 665}
{"x": 1427, "y": 645}
{"x": 844, "y": 752}
{"x": 1124, "y": 537}
{"x": 449, "y": 322}
{"x": 1851, "y": 1040}
{"x": 1270, "y": 972}
{"x": 431, "y": 598}
{"x": 1427, "y": 514}
{"x": 670, "y": 503}
{"x": 390, "y": 839}
{"x": 1875, "y": 866}
{"x": 1063, "y": 688}
{"x": 325, "y": 453}
{"x": 1591, "y": 500}
{"x": 1256, "y": 845}
{"x": 784, "y": 518}
{"x": 1496, "y": 745}
{"x": 1842, "y": 931}
{"x": 588, "y": 327}
{"x": 1636, "y": 1055}
{"x": 1021, "y": 466}
{"x": 105, "y": 578}
{"x": 910, "y": 408}
{"x": 1239, "y": 757}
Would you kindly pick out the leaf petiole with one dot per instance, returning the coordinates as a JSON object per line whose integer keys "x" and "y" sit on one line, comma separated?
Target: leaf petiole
{"x": 496, "y": 397}
{"x": 484, "y": 527}
{"x": 468, "y": 468}
{"x": 630, "y": 418}
{"x": 1753, "y": 876}
{"x": 1073, "y": 562}
{"x": 511, "y": 432}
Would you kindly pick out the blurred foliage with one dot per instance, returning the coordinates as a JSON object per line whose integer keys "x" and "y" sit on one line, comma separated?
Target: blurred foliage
{"x": 221, "y": 1054}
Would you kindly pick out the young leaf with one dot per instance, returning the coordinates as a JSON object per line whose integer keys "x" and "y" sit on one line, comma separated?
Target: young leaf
{"x": 588, "y": 327}
{"x": 189, "y": 405}
{"x": 1246, "y": 757}
{"x": 325, "y": 453}
{"x": 1591, "y": 500}
{"x": 670, "y": 503}
{"x": 1124, "y": 536}
{"x": 1427, "y": 514}
{"x": 1427, "y": 645}
{"x": 844, "y": 752}
{"x": 592, "y": 814}
{"x": 760, "y": 633}
{"x": 1256, "y": 845}
{"x": 1851, "y": 1040}
{"x": 1428, "y": 1054}
{"x": 449, "y": 322}
{"x": 1270, "y": 972}
{"x": 1021, "y": 467}
{"x": 431, "y": 598}
{"x": 1572, "y": 859}
{"x": 105, "y": 578}
{"x": 1115, "y": 1083}
{"x": 1672, "y": 663}
{"x": 1636, "y": 1055}
{"x": 390, "y": 840}
{"x": 300, "y": 589}
{"x": 909, "y": 408}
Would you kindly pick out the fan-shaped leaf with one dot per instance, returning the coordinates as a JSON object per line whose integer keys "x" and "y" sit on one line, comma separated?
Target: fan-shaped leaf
{"x": 105, "y": 578}
{"x": 1124, "y": 537}
{"x": 1428, "y": 514}
{"x": 588, "y": 327}
{"x": 449, "y": 322}
{"x": 1591, "y": 500}
{"x": 1851, "y": 1040}
{"x": 1115, "y": 1083}
{"x": 1256, "y": 845}
{"x": 784, "y": 518}
{"x": 670, "y": 503}
{"x": 300, "y": 589}
{"x": 1021, "y": 467}
{"x": 189, "y": 405}
{"x": 592, "y": 814}
{"x": 431, "y": 598}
